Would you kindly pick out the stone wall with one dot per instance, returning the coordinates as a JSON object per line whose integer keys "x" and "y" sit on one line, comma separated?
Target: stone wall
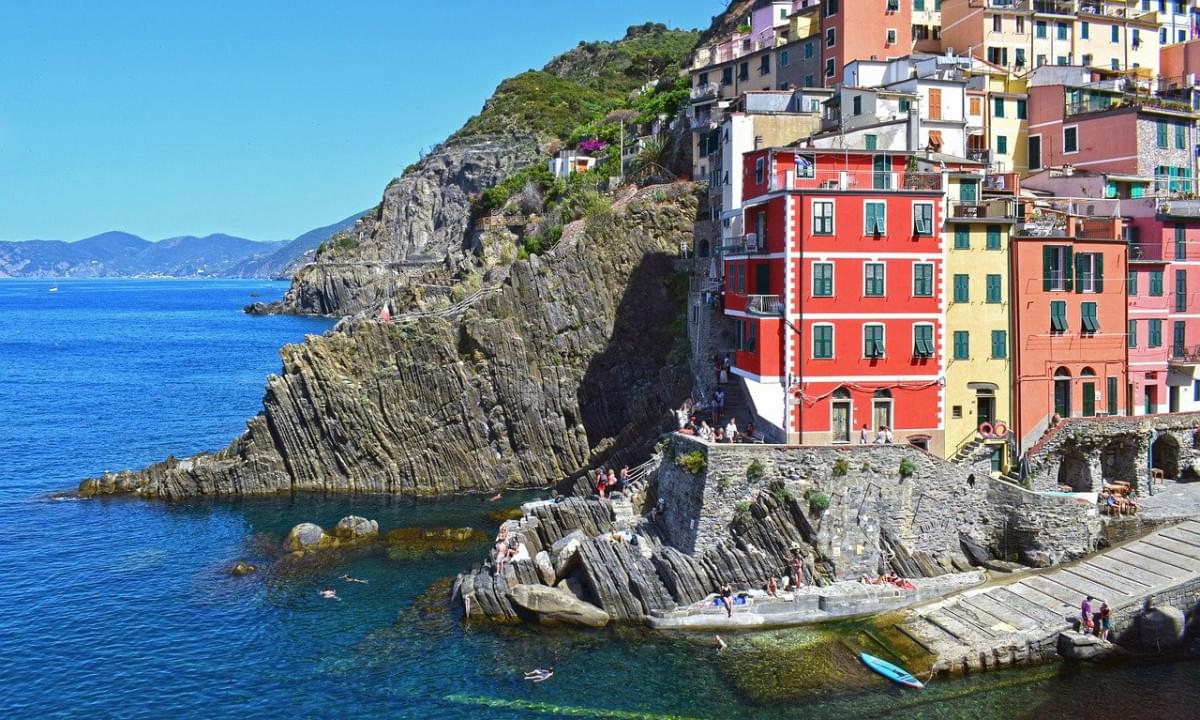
{"x": 1037, "y": 529}
{"x": 1085, "y": 452}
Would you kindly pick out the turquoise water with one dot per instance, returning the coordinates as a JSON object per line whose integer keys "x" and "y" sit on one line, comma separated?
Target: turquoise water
{"x": 123, "y": 608}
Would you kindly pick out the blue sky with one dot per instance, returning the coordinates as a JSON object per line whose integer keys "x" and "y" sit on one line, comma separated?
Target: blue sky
{"x": 262, "y": 119}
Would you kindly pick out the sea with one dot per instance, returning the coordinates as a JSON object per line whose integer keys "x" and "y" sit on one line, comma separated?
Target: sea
{"x": 125, "y": 608}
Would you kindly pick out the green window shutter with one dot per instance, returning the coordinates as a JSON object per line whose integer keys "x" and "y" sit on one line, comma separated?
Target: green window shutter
{"x": 871, "y": 142}
{"x": 1131, "y": 334}
{"x": 1087, "y": 317}
{"x": 1181, "y": 290}
{"x": 1112, "y": 396}
{"x": 993, "y": 288}
{"x": 999, "y": 344}
{"x": 962, "y": 290}
{"x": 962, "y": 345}
{"x": 1080, "y": 269}
{"x": 1098, "y": 281}
{"x": 1154, "y": 338}
{"x": 1131, "y": 283}
{"x": 1162, "y": 133}
{"x": 1156, "y": 283}
{"x": 1180, "y": 242}
{"x": 993, "y": 237}
{"x": 1020, "y": 109}
{"x": 1058, "y": 316}
{"x": 998, "y": 107}
{"x": 1180, "y": 136}
{"x": 962, "y": 238}
{"x": 1067, "y": 276}
{"x": 1047, "y": 265}
{"x": 870, "y": 228}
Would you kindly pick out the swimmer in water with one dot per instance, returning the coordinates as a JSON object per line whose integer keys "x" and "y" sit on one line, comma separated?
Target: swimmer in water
{"x": 539, "y": 675}
{"x": 329, "y": 594}
{"x": 350, "y": 578}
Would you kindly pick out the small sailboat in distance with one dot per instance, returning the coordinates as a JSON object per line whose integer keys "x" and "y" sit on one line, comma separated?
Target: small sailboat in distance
{"x": 54, "y": 288}
{"x": 895, "y": 673}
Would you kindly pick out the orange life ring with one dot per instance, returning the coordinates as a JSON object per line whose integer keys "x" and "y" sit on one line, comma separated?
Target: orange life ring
{"x": 1001, "y": 430}
{"x": 985, "y": 429}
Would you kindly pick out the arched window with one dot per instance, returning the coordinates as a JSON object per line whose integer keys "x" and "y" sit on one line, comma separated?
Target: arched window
{"x": 883, "y": 393}
{"x": 1087, "y": 372}
{"x": 1062, "y": 372}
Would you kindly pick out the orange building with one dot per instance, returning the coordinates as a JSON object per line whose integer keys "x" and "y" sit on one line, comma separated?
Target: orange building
{"x": 1069, "y": 320}
{"x": 862, "y": 30}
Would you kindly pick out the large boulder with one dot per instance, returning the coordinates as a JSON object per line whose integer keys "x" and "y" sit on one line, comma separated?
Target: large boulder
{"x": 355, "y": 528}
{"x": 564, "y": 553}
{"x": 308, "y": 536}
{"x": 552, "y": 606}
{"x": 1078, "y": 646}
{"x": 545, "y": 568}
{"x": 1159, "y": 628}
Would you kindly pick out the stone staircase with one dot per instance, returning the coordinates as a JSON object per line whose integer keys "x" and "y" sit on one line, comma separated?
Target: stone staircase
{"x": 1020, "y": 621}
{"x": 623, "y": 515}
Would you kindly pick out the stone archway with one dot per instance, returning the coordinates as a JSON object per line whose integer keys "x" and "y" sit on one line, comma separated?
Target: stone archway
{"x": 1119, "y": 461}
{"x": 1075, "y": 471}
{"x": 1165, "y": 456}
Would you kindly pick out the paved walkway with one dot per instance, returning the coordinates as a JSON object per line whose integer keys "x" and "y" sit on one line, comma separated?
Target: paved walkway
{"x": 1171, "y": 500}
{"x": 1001, "y": 623}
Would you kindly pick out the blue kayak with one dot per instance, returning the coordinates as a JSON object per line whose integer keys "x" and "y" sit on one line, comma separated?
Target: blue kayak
{"x": 896, "y": 674}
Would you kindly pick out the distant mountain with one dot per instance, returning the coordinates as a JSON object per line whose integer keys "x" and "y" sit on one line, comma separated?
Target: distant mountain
{"x": 286, "y": 260}
{"x": 120, "y": 254}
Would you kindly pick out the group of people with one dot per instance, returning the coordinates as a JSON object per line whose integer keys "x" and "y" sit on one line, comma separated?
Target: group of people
{"x": 329, "y": 593}
{"x": 1118, "y": 500}
{"x": 608, "y": 482}
{"x": 1096, "y": 621}
{"x": 883, "y": 436}
{"x": 889, "y": 579}
{"x": 507, "y": 550}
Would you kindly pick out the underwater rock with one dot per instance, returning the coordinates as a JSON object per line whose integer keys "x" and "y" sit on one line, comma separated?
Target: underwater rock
{"x": 1077, "y": 646}
{"x": 242, "y": 568}
{"x": 308, "y": 536}
{"x": 552, "y": 606}
{"x": 412, "y": 542}
{"x": 355, "y": 528}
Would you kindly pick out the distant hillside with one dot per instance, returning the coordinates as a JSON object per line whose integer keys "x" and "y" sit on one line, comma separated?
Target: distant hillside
{"x": 120, "y": 254}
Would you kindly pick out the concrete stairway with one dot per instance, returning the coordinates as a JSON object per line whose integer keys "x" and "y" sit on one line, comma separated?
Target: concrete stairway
{"x": 623, "y": 515}
{"x": 1021, "y": 620}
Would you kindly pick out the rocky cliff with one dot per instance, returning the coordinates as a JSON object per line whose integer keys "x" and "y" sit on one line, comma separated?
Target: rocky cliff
{"x": 573, "y": 354}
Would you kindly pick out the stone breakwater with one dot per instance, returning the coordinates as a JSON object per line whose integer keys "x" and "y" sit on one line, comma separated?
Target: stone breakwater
{"x": 747, "y": 512}
{"x": 572, "y": 356}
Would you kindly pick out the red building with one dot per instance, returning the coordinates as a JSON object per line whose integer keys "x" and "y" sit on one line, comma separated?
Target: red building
{"x": 837, "y": 295}
{"x": 1069, "y": 324}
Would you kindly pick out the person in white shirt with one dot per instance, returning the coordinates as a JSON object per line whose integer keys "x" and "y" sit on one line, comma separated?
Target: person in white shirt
{"x": 731, "y": 430}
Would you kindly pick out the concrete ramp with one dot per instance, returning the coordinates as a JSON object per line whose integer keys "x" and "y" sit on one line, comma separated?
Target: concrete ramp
{"x": 1019, "y": 622}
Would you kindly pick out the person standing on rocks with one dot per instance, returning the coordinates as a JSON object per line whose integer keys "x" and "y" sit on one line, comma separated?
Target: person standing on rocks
{"x": 1105, "y": 621}
{"x": 731, "y": 430}
{"x": 727, "y": 598}
{"x": 1085, "y": 610}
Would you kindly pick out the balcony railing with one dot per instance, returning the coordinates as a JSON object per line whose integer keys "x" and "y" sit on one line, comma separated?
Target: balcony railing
{"x": 995, "y": 209}
{"x": 707, "y": 91}
{"x": 1100, "y": 102}
{"x": 764, "y": 305}
{"x": 1180, "y": 208}
{"x": 747, "y": 244}
{"x": 1185, "y": 355}
{"x": 855, "y": 180}
{"x": 1001, "y": 183}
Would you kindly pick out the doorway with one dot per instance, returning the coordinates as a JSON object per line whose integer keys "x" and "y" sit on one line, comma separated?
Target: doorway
{"x": 881, "y": 409}
{"x": 883, "y": 175}
{"x": 1165, "y": 456}
{"x": 1062, "y": 393}
{"x": 1150, "y": 402}
{"x": 985, "y": 407}
{"x": 840, "y": 416}
{"x": 1173, "y": 399}
{"x": 762, "y": 279}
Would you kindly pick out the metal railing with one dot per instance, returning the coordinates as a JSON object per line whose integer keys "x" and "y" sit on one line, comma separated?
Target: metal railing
{"x": 705, "y": 91}
{"x": 855, "y": 180}
{"x": 994, "y": 209}
{"x": 764, "y": 305}
{"x": 1100, "y": 102}
{"x": 747, "y": 244}
{"x": 1185, "y": 354}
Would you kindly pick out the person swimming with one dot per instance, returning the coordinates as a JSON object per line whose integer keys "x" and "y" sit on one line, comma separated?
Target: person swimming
{"x": 350, "y": 578}
{"x": 329, "y": 594}
{"x": 539, "y": 675}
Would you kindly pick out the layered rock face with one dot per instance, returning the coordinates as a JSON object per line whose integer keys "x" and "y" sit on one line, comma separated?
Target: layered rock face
{"x": 421, "y": 222}
{"x": 566, "y": 360}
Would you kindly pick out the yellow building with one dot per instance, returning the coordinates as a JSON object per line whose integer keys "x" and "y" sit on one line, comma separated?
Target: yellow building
{"x": 997, "y": 112}
{"x": 977, "y": 341}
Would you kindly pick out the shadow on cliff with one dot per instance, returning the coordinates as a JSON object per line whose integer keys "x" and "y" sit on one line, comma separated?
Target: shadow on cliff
{"x": 630, "y": 387}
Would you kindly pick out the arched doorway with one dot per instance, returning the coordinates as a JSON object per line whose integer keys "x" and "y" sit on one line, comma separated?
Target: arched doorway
{"x": 1075, "y": 471}
{"x": 1119, "y": 461}
{"x": 1164, "y": 455}
{"x": 1087, "y": 387}
{"x": 1062, "y": 392}
{"x": 704, "y": 248}
{"x": 881, "y": 408}
{"x": 840, "y": 412}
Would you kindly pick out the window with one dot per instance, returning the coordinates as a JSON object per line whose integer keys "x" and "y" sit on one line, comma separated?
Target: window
{"x": 918, "y": 5}
{"x": 1196, "y": 391}
{"x": 1154, "y": 333}
{"x": 1020, "y": 109}
{"x": 1056, "y": 267}
{"x": 830, "y": 37}
{"x": 893, "y": 6}
{"x": 1162, "y": 36}
{"x": 1115, "y": 64}
{"x": 999, "y": 344}
{"x": 702, "y": 80}
{"x": 783, "y": 58}
{"x": 976, "y": 105}
{"x": 1181, "y": 291}
{"x": 1035, "y": 152}
{"x": 998, "y": 107}
{"x": 1137, "y": 37}
{"x": 1058, "y": 316}
{"x": 1061, "y": 29}
{"x": 822, "y": 279}
{"x": 856, "y": 104}
{"x": 744, "y": 70}
{"x": 922, "y": 279}
{"x": 1156, "y": 283}
{"x": 876, "y": 218}
{"x": 760, "y": 170}
{"x": 873, "y": 341}
{"x": 993, "y": 237}
{"x": 814, "y": 105}
{"x": 1086, "y": 60}
{"x": 923, "y": 341}
{"x": 822, "y": 217}
{"x": 962, "y": 288}
{"x": 1020, "y": 58}
{"x": 956, "y": 410}
{"x": 1071, "y": 139}
{"x": 890, "y": 37}
{"x": 822, "y": 348}
{"x": 993, "y": 289}
{"x": 1083, "y": 30}
{"x": 1002, "y": 144}
{"x": 1180, "y": 242}
{"x": 872, "y": 141}
{"x": 873, "y": 279}
{"x": 1116, "y": 34}
{"x": 996, "y": 23}
{"x": 1087, "y": 317}
{"x": 1180, "y": 136}
{"x": 962, "y": 345}
{"x": 1178, "y": 338}
{"x": 1089, "y": 272}
{"x": 764, "y": 65}
{"x": 727, "y": 76}
{"x": 808, "y": 49}
{"x": 1060, "y": 60}
{"x": 806, "y": 165}
{"x": 1131, "y": 283}
{"x": 962, "y": 238}
{"x": 923, "y": 218}
{"x": 1161, "y": 127}
{"x": 1131, "y": 333}
{"x": 829, "y": 7}
{"x": 1020, "y": 25}
{"x": 829, "y": 67}
{"x": 1039, "y": 28}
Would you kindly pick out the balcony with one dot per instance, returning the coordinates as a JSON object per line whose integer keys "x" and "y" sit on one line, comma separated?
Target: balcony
{"x": 1091, "y": 102}
{"x": 998, "y": 209}
{"x": 1180, "y": 208}
{"x": 1006, "y": 183}
{"x": 707, "y": 91}
{"x": 1054, "y": 7}
{"x": 983, "y": 155}
{"x": 747, "y": 244}
{"x": 1185, "y": 357}
{"x": 855, "y": 180}
{"x": 766, "y": 305}
{"x": 703, "y": 121}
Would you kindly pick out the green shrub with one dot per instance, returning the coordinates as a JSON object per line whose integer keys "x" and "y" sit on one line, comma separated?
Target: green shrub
{"x": 907, "y": 468}
{"x": 782, "y": 493}
{"x": 722, "y": 483}
{"x": 755, "y": 471}
{"x": 841, "y": 466}
{"x": 818, "y": 503}
{"x": 694, "y": 462}
{"x": 741, "y": 507}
